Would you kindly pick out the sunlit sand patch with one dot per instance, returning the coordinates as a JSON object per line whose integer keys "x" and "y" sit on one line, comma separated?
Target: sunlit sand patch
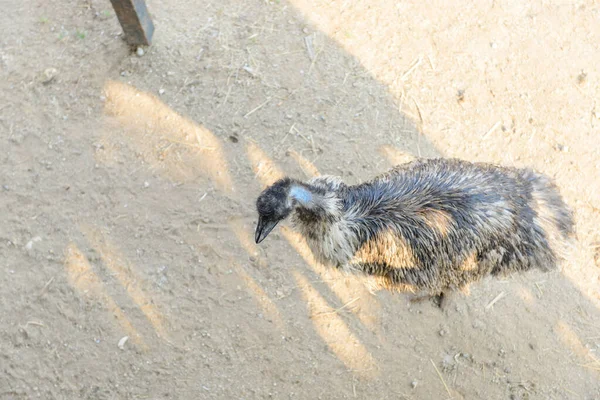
{"x": 572, "y": 341}
{"x": 308, "y": 167}
{"x": 82, "y": 277}
{"x": 349, "y": 289}
{"x": 124, "y": 271}
{"x": 263, "y": 299}
{"x": 264, "y": 168}
{"x": 169, "y": 142}
{"x": 246, "y": 239}
{"x": 334, "y": 331}
{"x": 346, "y": 21}
{"x": 259, "y": 294}
{"x": 395, "y": 156}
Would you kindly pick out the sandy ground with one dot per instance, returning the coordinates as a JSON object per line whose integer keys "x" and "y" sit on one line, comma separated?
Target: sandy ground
{"x": 127, "y": 186}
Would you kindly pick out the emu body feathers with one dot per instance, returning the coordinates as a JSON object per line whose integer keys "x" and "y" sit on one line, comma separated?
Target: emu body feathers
{"x": 427, "y": 225}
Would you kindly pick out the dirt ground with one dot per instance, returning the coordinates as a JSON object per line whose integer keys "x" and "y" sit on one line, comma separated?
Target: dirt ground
{"x": 128, "y": 181}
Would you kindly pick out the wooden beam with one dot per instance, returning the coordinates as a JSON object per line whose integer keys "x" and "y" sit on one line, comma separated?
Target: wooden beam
{"x": 135, "y": 21}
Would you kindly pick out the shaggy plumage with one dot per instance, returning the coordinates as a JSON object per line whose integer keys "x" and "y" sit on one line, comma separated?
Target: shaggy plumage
{"x": 428, "y": 225}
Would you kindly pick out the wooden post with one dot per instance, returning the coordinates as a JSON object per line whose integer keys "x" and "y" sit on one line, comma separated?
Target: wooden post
{"x": 135, "y": 21}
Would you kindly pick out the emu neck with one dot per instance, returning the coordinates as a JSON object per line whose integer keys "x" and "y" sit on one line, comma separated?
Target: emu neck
{"x": 312, "y": 205}
{"x": 302, "y": 195}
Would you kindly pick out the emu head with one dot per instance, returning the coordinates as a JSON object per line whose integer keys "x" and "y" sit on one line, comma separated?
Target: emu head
{"x": 277, "y": 202}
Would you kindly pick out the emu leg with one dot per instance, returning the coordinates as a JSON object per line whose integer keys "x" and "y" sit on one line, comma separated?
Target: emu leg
{"x": 441, "y": 300}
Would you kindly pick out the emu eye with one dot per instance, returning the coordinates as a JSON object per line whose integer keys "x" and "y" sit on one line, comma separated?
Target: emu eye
{"x": 265, "y": 209}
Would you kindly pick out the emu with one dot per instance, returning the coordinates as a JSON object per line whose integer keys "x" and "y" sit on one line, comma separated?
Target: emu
{"x": 431, "y": 225}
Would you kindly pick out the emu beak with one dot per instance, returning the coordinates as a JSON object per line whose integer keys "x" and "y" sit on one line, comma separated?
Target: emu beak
{"x": 263, "y": 229}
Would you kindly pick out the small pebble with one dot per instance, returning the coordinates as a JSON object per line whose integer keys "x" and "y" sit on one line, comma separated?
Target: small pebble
{"x": 442, "y": 332}
{"x": 146, "y": 184}
{"x": 49, "y": 75}
{"x": 414, "y": 384}
{"x": 121, "y": 344}
{"x": 161, "y": 91}
{"x": 139, "y": 52}
{"x": 29, "y": 244}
